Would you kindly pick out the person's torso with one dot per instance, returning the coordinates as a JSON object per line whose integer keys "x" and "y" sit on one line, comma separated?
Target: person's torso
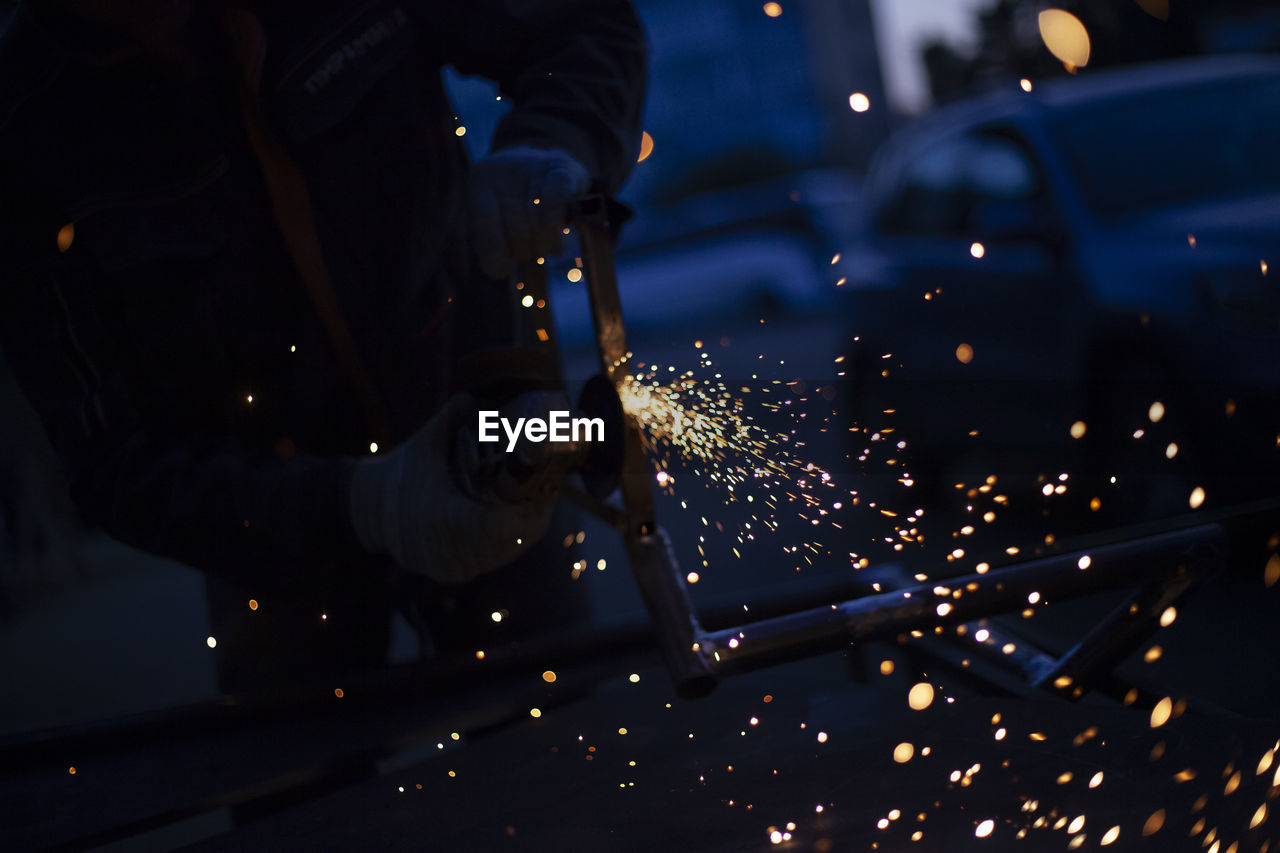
{"x": 176, "y": 249}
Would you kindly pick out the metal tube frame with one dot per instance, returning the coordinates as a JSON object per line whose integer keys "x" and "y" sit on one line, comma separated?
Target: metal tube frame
{"x": 1161, "y": 567}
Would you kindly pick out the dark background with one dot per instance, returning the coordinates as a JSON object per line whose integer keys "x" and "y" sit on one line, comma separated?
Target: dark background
{"x": 755, "y": 182}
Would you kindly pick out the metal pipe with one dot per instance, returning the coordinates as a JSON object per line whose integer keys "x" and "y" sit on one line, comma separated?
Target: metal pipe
{"x": 962, "y": 599}
{"x": 666, "y": 598}
{"x": 1115, "y": 637}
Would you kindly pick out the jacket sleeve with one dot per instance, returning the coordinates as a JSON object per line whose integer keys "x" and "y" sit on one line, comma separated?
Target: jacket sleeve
{"x": 193, "y": 493}
{"x": 574, "y": 71}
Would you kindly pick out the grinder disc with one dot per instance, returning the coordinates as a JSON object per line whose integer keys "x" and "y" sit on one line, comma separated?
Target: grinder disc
{"x": 602, "y": 471}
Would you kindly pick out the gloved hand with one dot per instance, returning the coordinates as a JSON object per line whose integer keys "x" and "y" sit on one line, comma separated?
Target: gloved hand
{"x": 506, "y": 223}
{"x": 408, "y": 504}
{"x": 531, "y": 469}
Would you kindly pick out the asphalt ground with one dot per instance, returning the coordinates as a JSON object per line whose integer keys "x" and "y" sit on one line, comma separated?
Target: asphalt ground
{"x": 327, "y": 773}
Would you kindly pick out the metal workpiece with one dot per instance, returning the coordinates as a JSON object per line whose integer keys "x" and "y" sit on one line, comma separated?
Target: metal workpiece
{"x": 676, "y": 630}
{"x": 1158, "y": 568}
{"x": 1113, "y": 639}
{"x": 1195, "y": 552}
{"x": 1003, "y": 648}
{"x": 590, "y": 220}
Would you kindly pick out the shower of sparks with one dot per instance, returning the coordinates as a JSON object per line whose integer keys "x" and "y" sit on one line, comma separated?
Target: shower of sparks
{"x": 694, "y": 421}
{"x": 698, "y": 423}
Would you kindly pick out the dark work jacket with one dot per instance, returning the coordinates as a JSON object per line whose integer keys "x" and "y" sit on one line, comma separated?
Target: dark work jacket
{"x": 150, "y": 307}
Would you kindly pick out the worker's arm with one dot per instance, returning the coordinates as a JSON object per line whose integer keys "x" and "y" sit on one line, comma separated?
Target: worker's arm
{"x": 573, "y": 70}
{"x": 186, "y": 487}
{"x": 574, "y": 74}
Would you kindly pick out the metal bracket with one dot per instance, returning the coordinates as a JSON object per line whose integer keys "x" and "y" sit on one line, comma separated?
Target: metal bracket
{"x": 1161, "y": 567}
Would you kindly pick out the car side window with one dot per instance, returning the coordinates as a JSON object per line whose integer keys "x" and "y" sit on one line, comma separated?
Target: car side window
{"x": 964, "y": 186}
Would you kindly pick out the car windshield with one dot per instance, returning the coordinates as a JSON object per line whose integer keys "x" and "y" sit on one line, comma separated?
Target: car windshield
{"x": 1185, "y": 146}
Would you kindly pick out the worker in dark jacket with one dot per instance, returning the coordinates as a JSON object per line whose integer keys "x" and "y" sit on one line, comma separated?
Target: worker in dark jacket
{"x": 244, "y": 265}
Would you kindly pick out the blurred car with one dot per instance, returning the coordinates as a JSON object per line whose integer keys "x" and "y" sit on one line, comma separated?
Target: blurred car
{"x": 761, "y": 249}
{"x": 1075, "y": 253}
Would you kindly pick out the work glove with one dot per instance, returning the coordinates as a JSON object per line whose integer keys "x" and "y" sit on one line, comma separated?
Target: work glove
{"x": 518, "y": 201}
{"x": 409, "y": 504}
{"x": 529, "y": 471}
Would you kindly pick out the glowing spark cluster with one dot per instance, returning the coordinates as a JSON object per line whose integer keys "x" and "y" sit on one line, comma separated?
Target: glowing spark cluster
{"x": 695, "y": 421}
{"x": 690, "y": 416}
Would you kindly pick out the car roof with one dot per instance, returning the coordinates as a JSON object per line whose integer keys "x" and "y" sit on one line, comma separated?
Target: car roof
{"x": 1155, "y": 78}
{"x": 1014, "y": 105}
{"x": 1087, "y": 88}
